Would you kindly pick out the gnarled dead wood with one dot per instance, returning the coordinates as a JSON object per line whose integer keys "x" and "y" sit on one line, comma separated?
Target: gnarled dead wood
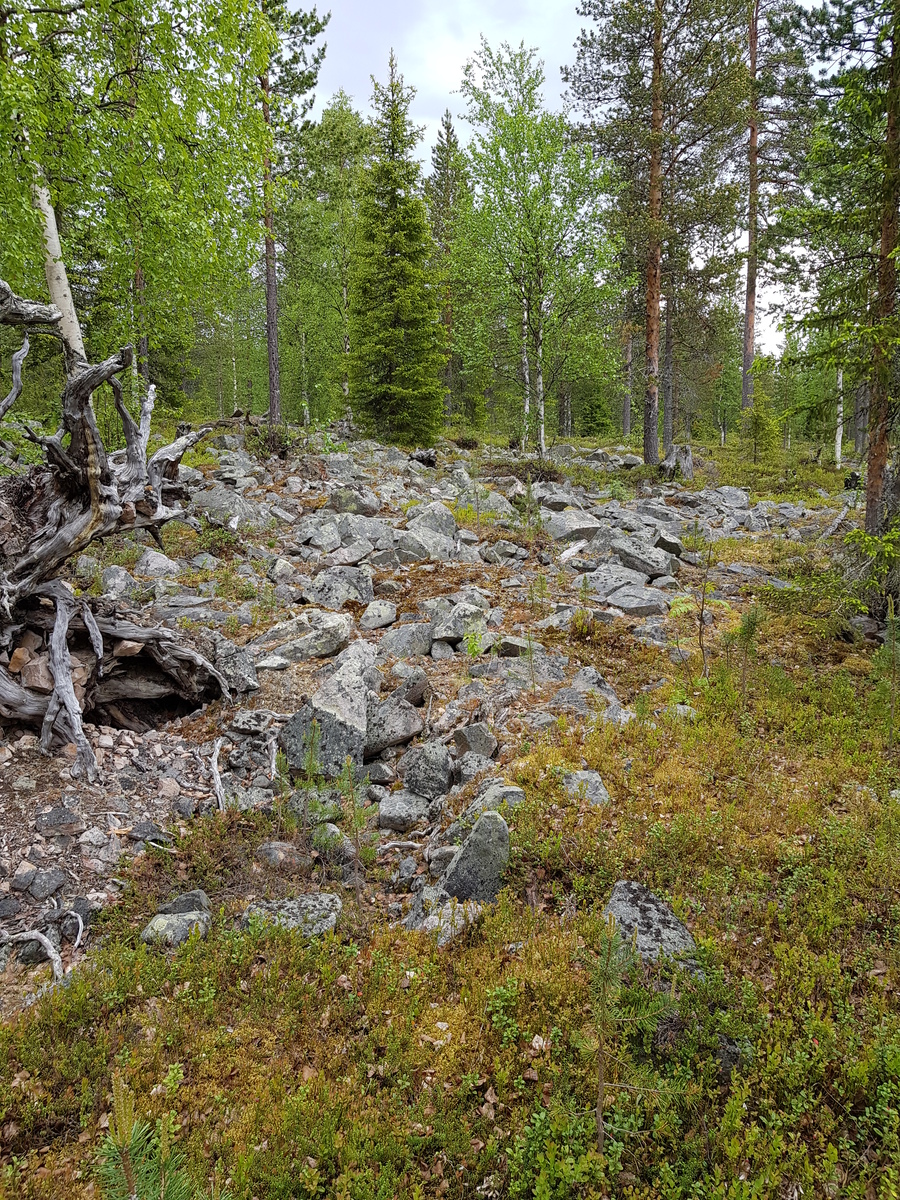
{"x": 52, "y": 512}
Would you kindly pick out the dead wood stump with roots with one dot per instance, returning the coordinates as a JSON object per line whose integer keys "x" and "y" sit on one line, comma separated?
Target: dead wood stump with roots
{"x": 73, "y": 655}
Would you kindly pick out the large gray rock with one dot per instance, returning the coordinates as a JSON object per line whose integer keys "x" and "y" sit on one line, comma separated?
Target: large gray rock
{"x": 420, "y": 544}
{"x": 402, "y": 810}
{"x": 461, "y": 619}
{"x": 732, "y": 497}
{"x": 392, "y": 722}
{"x": 477, "y": 738}
{"x": 311, "y": 916}
{"x": 487, "y": 503}
{"x": 174, "y": 929}
{"x": 639, "y": 601}
{"x": 187, "y": 902}
{"x": 476, "y": 869}
{"x": 116, "y": 581}
{"x": 378, "y": 614}
{"x": 407, "y": 641}
{"x": 586, "y": 785}
{"x": 569, "y": 524}
{"x": 356, "y": 499}
{"x": 235, "y": 664}
{"x": 644, "y": 919}
{"x": 427, "y": 770}
{"x": 334, "y": 587}
{"x": 227, "y": 506}
{"x": 46, "y": 882}
{"x": 642, "y": 557}
{"x": 436, "y": 517}
{"x": 599, "y": 584}
{"x": 338, "y": 710}
{"x": 156, "y": 565}
{"x": 312, "y": 634}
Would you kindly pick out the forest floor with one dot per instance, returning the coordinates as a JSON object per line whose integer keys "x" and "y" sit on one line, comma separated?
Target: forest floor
{"x": 753, "y": 789}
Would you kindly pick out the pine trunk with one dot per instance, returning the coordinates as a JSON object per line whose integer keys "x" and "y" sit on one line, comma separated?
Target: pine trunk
{"x": 629, "y": 385}
{"x": 271, "y": 280}
{"x": 752, "y": 219}
{"x": 669, "y": 380}
{"x": 879, "y": 399}
{"x": 654, "y": 249}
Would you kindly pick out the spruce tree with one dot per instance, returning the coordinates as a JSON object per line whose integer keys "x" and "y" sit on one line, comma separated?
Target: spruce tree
{"x": 397, "y": 344}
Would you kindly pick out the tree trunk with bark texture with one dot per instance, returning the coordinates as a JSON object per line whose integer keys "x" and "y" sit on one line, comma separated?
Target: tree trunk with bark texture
{"x": 669, "y": 380}
{"x": 629, "y": 384}
{"x": 885, "y": 302}
{"x": 752, "y": 218}
{"x": 271, "y": 279}
{"x": 654, "y": 249}
{"x": 79, "y": 494}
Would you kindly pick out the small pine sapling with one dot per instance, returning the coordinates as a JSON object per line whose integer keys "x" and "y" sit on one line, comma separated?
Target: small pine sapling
{"x": 355, "y": 814}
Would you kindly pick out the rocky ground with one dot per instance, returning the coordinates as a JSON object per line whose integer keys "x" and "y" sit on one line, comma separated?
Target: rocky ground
{"x": 422, "y": 622}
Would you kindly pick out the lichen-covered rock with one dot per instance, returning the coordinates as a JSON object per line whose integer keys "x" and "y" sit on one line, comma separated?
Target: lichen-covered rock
{"x": 650, "y": 924}
{"x": 427, "y": 770}
{"x": 476, "y": 870}
{"x": 312, "y": 915}
{"x": 586, "y": 785}
{"x": 334, "y": 587}
{"x": 402, "y": 810}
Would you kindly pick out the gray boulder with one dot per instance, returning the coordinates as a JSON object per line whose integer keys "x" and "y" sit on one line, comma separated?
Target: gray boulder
{"x": 644, "y": 919}
{"x": 235, "y": 664}
{"x": 477, "y": 738}
{"x": 311, "y": 916}
{"x": 193, "y": 901}
{"x": 732, "y": 497}
{"x": 338, "y": 709}
{"x": 639, "y": 601}
{"x": 569, "y": 524}
{"x": 312, "y": 634}
{"x": 355, "y": 499}
{"x": 476, "y": 869}
{"x": 587, "y": 785}
{"x": 156, "y": 565}
{"x": 334, "y": 587}
{"x": 427, "y": 770}
{"x": 407, "y": 641}
{"x": 447, "y": 921}
{"x": 402, "y": 810}
{"x": 378, "y": 614}
{"x": 436, "y": 517}
{"x": 228, "y": 507}
{"x": 116, "y": 581}
{"x": 642, "y": 557}
{"x": 420, "y": 544}
{"x": 174, "y": 929}
{"x": 605, "y": 580}
{"x": 391, "y": 723}
{"x": 459, "y": 621}
{"x": 469, "y": 766}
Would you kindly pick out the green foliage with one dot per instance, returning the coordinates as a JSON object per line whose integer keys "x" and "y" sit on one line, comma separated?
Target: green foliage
{"x": 759, "y": 428}
{"x": 501, "y": 1007}
{"x": 555, "y": 1158}
{"x": 397, "y": 351}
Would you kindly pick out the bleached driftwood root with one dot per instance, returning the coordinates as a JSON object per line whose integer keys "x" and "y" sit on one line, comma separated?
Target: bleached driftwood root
{"x": 79, "y": 494}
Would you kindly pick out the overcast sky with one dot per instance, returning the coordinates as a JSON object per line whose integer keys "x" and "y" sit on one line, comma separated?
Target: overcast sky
{"x": 432, "y": 42}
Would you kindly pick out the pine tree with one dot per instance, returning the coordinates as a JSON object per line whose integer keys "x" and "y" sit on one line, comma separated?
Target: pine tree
{"x": 397, "y": 353}
{"x": 443, "y": 190}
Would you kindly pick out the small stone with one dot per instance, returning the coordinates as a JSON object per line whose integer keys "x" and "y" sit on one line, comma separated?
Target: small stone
{"x": 283, "y": 856}
{"x": 169, "y": 789}
{"x": 644, "y": 920}
{"x": 156, "y": 565}
{"x": 18, "y": 659}
{"x": 59, "y": 821}
{"x": 470, "y": 765}
{"x": 194, "y": 901}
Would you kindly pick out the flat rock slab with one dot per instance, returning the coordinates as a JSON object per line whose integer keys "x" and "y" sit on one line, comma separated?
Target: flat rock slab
{"x": 378, "y": 614}
{"x": 599, "y": 584}
{"x": 646, "y": 920}
{"x": 569, "y": 524}
{"x": 311, "y": 916}
{"x": 407, "y": 641}
{"x": 476, "y": 738}
{"x": 639, "y": 601}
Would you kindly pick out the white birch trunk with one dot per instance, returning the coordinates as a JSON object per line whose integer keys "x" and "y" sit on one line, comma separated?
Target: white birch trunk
{"x": 839, "y": 430}
{"x": 55, "y": 271}
{"x": 526, "y": 371}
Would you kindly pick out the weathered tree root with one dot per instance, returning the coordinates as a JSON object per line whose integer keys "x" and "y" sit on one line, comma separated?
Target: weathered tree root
{"x": 52, "y": 512}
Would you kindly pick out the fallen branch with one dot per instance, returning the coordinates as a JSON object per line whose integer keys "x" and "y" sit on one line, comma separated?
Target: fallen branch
{"x": 32, "y": 935}
{"x": 216, "y": 777}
